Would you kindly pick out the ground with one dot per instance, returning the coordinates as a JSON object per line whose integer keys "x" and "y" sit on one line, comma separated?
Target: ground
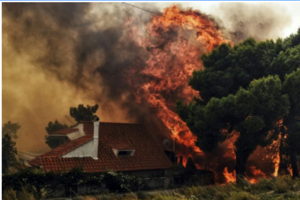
{"x": 281, "y": 188}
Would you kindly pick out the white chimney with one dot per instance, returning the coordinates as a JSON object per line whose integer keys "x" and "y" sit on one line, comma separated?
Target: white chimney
{"x": 96, "y": 140}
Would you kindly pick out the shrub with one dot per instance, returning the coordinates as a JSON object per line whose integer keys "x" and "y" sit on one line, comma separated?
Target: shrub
{"x": 283, "y": 184}
{"x": 193, "y": 191}
{"x": 241, "y": 195}
{"x": 263, "y": 185}
{"x": 281, "y": 187}
{"x": 9, "y": 194}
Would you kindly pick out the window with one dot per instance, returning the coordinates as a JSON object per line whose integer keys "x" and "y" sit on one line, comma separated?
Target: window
{"x": 123, "y": 152}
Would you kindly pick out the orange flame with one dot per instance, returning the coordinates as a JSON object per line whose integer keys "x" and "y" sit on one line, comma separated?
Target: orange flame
{"x": 257, "y": 173}
{"x": 276, "y": 157}
{"x": 230, "y": 177}
{"x": 175, "y": 40}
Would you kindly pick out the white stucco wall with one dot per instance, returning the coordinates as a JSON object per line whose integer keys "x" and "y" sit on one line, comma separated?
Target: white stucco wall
{"x": 77, "y": 134}
{"x": 85, "y": 150}
{"x": 74, "y": 135}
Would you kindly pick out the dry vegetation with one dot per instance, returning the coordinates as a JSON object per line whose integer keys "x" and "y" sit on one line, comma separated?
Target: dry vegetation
{"x": 282, "y": 188}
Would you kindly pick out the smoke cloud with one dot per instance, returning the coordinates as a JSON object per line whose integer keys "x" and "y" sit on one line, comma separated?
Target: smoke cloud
{"x": 59, "y": 55}
{"x": 261, "y": 21}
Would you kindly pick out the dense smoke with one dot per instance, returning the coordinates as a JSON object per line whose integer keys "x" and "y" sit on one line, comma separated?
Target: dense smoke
{"x": 59, "y": 55}
{"x": 260, "y": 21}
{"x": 81, "y": 49}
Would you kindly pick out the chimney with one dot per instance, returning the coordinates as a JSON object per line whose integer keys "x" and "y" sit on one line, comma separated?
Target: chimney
{"x": 96, "y": 139}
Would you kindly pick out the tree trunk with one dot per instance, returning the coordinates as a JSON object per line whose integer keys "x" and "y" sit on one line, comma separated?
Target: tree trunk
{"x": 242, "y": 156}
{"x": 293, "y": 159}
{"x": 283, "y": 166}
{"x": 240, "y": 167}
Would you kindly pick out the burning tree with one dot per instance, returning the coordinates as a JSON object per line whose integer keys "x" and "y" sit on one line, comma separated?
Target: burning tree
{"x": 292, "y": 121}
{"x": 251, "y": 112}
{"x": 241, "y": 93}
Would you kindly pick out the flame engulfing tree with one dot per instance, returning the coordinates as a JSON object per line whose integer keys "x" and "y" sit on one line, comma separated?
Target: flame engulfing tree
{"x": 291, "y": 86}
{"x": 241, "y": 92}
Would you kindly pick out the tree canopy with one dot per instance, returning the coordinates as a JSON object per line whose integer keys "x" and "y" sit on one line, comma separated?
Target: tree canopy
{"x": 54, "y": 126}
{"x": 241, "y": 92}
{"x": 9, "y": 151}
{"x": 291, "y": 86}
{"x": 82, "y": 113}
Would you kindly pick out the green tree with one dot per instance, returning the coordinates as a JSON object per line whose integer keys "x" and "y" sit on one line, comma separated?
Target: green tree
{"x": 291, "y": 86}
{"x": 9, "y": 151}
{"x": 225, "y": 107}
{"x": 55, "y": 126}
{"x": 82, "y": 113}
{"x": 252, "y": 112}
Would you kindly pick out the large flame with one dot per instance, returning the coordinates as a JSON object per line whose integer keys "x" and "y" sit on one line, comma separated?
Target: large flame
{"x": 175, "y": 40}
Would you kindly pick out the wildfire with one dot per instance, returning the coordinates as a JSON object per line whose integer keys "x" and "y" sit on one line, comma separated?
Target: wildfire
{"x": 276, "y": 157}
{"x": 175, "y": 41}
{"x": 257, "y": 173}
{"x": 230, "y": 177}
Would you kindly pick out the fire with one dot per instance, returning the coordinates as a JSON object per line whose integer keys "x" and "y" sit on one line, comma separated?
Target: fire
{"x": 256, "y": 174}
{"x": 206, "y": 29}
{"x": 175, "y": 41}
{"x": 230, "y": 177}
{"x": 276, "y": 157}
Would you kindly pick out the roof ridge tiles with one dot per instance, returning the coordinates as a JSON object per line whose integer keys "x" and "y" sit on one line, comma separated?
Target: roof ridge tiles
{"x": 125, "y": 123}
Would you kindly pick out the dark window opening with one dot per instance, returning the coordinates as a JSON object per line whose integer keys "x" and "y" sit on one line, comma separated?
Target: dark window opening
{"x": 125, "y": 153}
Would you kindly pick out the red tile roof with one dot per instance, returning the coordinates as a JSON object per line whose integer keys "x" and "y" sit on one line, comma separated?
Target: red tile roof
{"x": 148, "y": 153}
{"x": 63, "y": 149}
{"x": 64, "y": 131}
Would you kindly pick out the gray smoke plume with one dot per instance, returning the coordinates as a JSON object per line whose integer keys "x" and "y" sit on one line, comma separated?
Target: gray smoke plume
{"x": 81, "y": 46}
{"x": 261, "y": 21}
